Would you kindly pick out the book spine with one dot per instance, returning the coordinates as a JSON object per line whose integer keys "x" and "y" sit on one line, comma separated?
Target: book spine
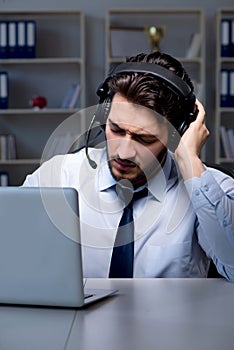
{"x": 68, "y": 96}
{"x": 225, "y": 142}
{"x": 195, "y": 46}
{"x": 232, "y": 39}
{"x": 12, "y": 39}
{"x": 30, "y": 39}
{"x": 75, "y": 96}
{"x": 21, "y": 39}
{"x": 3, "y": 39}
{"x": 224, "y": 87}
{"x": 3, "y": 90}
{"x": 3, "y": 147}
{"x": 230, "y": 135}
{"x": 4, "y": 179}
{"x": 231, "y": 88}
{"x": 225, "y": 37}
{"x": 11, "y": 147}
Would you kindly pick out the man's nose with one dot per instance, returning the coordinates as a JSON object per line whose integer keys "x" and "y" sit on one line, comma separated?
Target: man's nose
{"x": 126, "y": 148}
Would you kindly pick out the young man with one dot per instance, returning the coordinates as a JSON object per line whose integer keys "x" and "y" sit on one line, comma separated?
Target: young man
{"x": 186, "y": 217}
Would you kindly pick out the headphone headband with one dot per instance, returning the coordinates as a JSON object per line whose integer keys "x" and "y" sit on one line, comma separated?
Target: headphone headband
{"x": 173, "y": 81}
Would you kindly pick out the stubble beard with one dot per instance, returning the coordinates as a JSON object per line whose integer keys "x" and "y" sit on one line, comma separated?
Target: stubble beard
{"x": 138, "y": 180}
{"x": 142, "y": 177}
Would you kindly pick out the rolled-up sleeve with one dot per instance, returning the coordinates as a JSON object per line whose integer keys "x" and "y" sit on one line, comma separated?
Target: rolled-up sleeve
{"x": 212, "y": 197}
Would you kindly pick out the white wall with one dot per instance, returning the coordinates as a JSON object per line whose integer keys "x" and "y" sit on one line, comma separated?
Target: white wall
{"x": 95, "y": 10}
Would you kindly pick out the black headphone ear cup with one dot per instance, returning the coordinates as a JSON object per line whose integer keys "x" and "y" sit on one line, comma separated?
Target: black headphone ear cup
{"x": 176, "y": 133}
{"x": 182, "y": 128}
{"x": 96, "y": 132}
{"x": 103, "y": 111}
{"x": 99, "y": 113}
{"x": 189, "y": 119}
{"x": 173, "y": 138}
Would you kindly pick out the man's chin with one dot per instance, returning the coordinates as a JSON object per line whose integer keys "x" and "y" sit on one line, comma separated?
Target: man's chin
{"x": 136, "y": 179}
{"x": 119, "y": 175}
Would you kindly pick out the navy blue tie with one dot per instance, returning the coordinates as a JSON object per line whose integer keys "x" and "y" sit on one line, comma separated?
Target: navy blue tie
{"x": 123, "y": 252}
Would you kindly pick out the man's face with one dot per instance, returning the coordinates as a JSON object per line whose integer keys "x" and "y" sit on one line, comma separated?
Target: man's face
{"x": 135, "y": 141}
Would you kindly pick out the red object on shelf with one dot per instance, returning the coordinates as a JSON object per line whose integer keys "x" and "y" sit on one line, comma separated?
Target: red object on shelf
{"x": 39, "y": 102}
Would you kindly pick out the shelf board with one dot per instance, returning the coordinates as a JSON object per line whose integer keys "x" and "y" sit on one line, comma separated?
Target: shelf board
{"x": 226, "y": 59}
{"x": 41, "y": 12}
{"x": 226, "y": 160}
{"x": 226, "y": 109}
{"x": 44, "y": 111}
{"x": 20, "y": 161}
{"x": 42, "y": 60}
{"x": 153, "y": 11}
{"x": 183, "y": 59}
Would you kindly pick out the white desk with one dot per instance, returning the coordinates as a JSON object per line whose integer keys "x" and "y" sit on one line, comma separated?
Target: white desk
{"x": 159, "y": 314}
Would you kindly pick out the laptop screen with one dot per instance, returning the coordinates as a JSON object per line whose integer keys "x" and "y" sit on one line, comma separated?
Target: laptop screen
{"x": 40, "y": 251}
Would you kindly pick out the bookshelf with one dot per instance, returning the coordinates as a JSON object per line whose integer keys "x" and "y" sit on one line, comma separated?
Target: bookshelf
{"x": 58, "y": 63}
{"x": 126, "y": 35}
{"x": 224, "y": 92}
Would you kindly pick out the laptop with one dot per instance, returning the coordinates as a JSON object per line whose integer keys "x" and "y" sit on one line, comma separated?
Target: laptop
{"x": 40, "y": 248}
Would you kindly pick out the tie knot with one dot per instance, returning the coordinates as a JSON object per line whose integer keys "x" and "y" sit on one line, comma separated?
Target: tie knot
{"x": 126, "y": 193}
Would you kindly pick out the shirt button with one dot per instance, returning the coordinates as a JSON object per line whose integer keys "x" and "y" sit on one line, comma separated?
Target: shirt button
{"x": 206, "y": 188}
{"x": 197, "y": 192}
{"x": 225, "y": 223}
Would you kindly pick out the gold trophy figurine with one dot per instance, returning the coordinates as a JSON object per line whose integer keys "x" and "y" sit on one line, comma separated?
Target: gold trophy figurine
{"x": 155, "y": 34}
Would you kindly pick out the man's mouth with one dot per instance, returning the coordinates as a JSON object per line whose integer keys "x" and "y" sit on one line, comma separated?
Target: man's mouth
{"x": 123, "y": 165}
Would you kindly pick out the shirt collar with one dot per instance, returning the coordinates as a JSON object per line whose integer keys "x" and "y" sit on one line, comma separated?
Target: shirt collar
{"x": 105, "y": 179}
{"x": 157, "y": 184}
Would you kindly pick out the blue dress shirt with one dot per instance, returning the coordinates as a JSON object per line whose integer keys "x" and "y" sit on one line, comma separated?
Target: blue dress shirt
{"x": 179, "y": 227}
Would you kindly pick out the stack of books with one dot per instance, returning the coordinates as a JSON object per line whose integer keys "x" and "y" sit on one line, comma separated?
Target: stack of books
{"x": 71, "y": 97}
{"x": 194, "y": 46}
{"x": 227, "y": 142}
{"x": 7, "y": 147}
{"x": 17, "y": 39}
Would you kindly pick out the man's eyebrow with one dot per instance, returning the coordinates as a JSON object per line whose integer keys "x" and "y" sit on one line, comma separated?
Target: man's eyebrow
{"x": 114, "y": 124}
{"x": 132, "y": 133}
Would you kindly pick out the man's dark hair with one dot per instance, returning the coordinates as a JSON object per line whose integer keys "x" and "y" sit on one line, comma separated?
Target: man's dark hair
{"x": 146, "y": 90}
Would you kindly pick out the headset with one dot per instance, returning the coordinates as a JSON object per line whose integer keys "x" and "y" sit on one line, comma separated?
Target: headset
{"x": 166, "y": 77}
